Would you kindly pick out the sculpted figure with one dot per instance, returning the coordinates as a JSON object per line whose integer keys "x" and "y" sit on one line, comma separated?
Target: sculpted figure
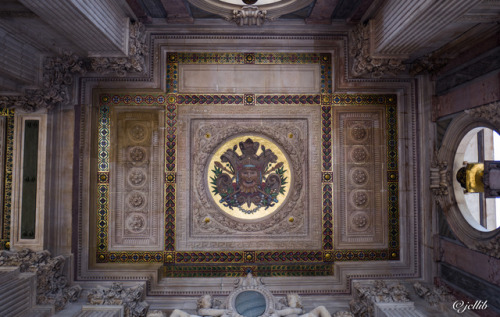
{"x": 293, "y": 308}
{"x": 205, "y": 308}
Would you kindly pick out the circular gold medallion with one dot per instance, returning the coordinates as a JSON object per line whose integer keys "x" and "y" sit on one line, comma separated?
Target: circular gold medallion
{"x": 249, "y": 177}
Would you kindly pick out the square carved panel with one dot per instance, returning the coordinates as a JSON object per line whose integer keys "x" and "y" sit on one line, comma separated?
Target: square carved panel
{"x": 218, "y": 147}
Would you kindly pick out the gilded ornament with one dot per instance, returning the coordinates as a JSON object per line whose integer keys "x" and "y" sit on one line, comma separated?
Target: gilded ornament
{"x": 249, "y": 177}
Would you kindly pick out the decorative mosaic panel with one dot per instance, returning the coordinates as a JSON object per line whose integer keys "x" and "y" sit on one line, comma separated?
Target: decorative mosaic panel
{"x": 198, "y": 263}
{"x": 6, "y": 156}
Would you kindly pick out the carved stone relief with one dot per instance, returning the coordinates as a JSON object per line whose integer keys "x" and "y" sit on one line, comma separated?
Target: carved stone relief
{"x": 132, "y": 299}
{"x": 367, "y": 296}
{"x": 364, "y": 62}
{"x": 251, "y": 297}
{"x": 361, "y": 206}
{"x": 249, "y": 15}
{"x": 434, "y": 295}
{"x": 487, "y": 112}
{"x": 136, "y": 179}
{"x": 203, "y": 223}
{"x": 59, "y": 73}
{"x": 52, "y": 285}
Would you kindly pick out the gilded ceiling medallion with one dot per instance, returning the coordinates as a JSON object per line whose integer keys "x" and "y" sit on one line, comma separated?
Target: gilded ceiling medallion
{"x": 249, "y": 177}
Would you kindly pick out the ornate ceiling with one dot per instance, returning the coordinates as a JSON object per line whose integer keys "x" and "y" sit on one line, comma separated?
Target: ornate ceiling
{"x": 453, "y": 42}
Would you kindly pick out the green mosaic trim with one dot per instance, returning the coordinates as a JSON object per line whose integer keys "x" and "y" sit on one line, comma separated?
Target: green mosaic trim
{"x": 9, "y": 154}
{"x": 257, "y": 270}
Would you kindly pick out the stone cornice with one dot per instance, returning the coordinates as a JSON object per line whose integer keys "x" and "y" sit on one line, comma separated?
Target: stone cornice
{"x": 363, "y": 61}
{"x": 59, "y": 73}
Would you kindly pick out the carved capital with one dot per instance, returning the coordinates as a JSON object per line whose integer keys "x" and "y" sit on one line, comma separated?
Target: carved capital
{"x": 59, "y": 72}
{"x": 363, "y": 61}
{"x": 249, "y": 15}
{"x": 439, "y": 173}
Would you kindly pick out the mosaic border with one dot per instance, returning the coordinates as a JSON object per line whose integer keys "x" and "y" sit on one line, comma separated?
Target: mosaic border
{"x": 9, "y": 154}
{"x": 234, "y": 263}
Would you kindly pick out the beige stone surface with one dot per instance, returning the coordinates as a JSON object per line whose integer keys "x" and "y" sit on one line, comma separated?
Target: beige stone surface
{"x": 296, "y": 131}
{"x": 262, "y": 79}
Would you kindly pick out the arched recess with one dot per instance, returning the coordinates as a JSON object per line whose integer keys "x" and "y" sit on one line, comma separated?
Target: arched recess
{"x": 443, "y": 176}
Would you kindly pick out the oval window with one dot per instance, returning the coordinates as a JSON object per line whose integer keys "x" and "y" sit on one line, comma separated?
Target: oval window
{"x": 477, "y": 146}
{"x": 250, "y": 304}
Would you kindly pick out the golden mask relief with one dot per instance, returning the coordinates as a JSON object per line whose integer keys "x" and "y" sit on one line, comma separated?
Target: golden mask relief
{"x": 249, "y": 177}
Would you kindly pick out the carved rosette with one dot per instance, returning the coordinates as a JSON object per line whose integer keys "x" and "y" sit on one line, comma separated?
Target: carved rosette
{"x": 136, "y": 179}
